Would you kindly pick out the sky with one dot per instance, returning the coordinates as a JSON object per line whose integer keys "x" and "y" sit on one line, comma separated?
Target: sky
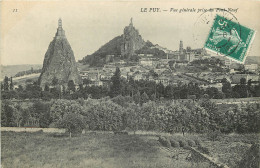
{"x": 27, "y": 32}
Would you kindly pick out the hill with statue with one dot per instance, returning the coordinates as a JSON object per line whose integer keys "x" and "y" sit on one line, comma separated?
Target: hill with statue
{"x": 124, "y": 47}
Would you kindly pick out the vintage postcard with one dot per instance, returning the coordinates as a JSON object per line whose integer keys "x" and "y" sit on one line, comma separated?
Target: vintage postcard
{"x": 130, "y": 84}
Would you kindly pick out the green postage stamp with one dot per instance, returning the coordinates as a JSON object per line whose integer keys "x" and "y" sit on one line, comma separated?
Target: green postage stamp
{"x": 230, "y": 39}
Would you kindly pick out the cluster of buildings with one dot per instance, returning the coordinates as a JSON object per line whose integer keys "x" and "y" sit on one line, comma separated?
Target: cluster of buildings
{"x": 181, "y": 56}
{"x": 160, "y": 71}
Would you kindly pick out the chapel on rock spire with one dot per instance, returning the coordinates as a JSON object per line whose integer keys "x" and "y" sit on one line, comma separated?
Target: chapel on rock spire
{"x": 60, "y": 31}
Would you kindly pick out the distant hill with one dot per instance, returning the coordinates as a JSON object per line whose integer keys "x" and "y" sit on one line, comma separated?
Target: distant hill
{"x": 113, "y": 47}
{"x": 253, "y": 60}
{"x": 11, "y": 70}
{"x": 123, "y": 47}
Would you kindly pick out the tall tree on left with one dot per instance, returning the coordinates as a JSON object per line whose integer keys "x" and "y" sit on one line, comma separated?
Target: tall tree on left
{"x": 116, "y": 86}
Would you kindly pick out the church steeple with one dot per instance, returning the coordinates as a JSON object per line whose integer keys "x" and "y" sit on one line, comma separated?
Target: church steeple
{"x": 60, "y": 31}
{"x": 60, "y": 23}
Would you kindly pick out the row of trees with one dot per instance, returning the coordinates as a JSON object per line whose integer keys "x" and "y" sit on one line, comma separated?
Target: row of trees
{"x": 242, "y": 90}
{"x": 28, "y": 72}
{"x": 141, "y": 89}
{"x": 120, "y": 113}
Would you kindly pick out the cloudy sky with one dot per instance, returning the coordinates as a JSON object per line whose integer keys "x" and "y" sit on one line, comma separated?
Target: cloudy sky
{"x": 27, "y": 32}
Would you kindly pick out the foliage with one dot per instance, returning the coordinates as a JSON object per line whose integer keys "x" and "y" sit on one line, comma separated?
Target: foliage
{"x": 165, "y": 141}
{"x": 214, "y": 135}
{"x": 7, "y": 116}
{"x": 73, "y": 122}
{"x": 67, "y": 114}
{"x": 105, "y": 116}
{"x": 148, "y": 50}
{"x": 6, "y": 84}
{"x": 71, "y": 86}
{"x": 116, "y": 86}
{"x": 174, "y": 143}
{"x": 203, "y": 149}
{"x": 191, "y": 143}
{"x": 183, "y": 143}
{"x": 27, "y": 72}
{"x": 59, "y": 108}
{"x": 121, "y": 112}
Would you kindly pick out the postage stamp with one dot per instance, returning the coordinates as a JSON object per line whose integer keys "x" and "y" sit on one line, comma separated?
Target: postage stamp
{"x": 229, "y": 38}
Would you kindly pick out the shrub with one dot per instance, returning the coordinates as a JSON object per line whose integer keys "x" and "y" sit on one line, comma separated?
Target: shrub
{"x": 174, "y": 143}
{"x": 191, "y": 143}
{"x": 214, "y": 135}
{"x": 74, "y": 123}
{"x": 183, "y": 143}
{"x": 165, "y": 141}
{"x": 197, "y": 142}
{"x": 203, "y": 149}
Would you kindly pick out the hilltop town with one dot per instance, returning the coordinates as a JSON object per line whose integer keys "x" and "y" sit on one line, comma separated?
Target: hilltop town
{"x": 139, "y": 60}
{"x": 161, "y": 65}
{"x": 131, "y": 103}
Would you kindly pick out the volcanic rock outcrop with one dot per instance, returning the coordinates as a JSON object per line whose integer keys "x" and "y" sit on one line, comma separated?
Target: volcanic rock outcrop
{"x": 132, "y": 41}
{"x": 59, "y": 61}
{"x": 120, "y": 47}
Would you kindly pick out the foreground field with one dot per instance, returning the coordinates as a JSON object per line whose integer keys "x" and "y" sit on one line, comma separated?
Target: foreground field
{"x": 91, "y": 150}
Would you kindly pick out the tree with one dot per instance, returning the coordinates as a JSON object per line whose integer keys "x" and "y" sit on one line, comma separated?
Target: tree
{"x": 226, "y": 87}
{"x": 55, "y": 81}
{"x": 60, "y": 107}
{"x": 40, "y": 109}
{"x": 116, "y": 86}
{"x": 144, "y": 98}
{"x": 2, "y": 86}
{"x": 9, "y": 116}
{"x": 103, "y": 115}
{"x": 6, "y": 83}
{"x": 168, "y": 92}
{"x": 137, "y": 98}
{"x": 71, "y": 86}
{"x": 243, "y": 81}
{"x": 45, "y": 95}
{"x": 250, "y": 88}
{"x": 132, "y": 84}
{"x": 25, "y": 116}
{"x": 11, "y": 84}
{"x": 214, "y": 114}
{"x": 46, "y": 88}
{"x": 55, "y": 93}
{"x": 123, "y": 101}
{"x": 33, "y": 90}
{"x": 160, "y": 90}
{"x": 20, "y": 88}
{"x": 133, "y": 118}
{"x": 73, "y": 122}
{"x": 17, "y": 115}
{"x": 257, "y": 90}
{"x": 241, "y": 88}
{"x": 153, "y": 97}
{"x": 86, "y": 81}
{"x": 212, "y": 92}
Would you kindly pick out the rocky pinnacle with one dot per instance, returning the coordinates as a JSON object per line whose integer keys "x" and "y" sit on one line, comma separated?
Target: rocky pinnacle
{"x": 59, "y": 61}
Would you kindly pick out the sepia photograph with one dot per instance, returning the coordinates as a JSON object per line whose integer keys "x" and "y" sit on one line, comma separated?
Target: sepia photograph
{"x": 130, "y": 84}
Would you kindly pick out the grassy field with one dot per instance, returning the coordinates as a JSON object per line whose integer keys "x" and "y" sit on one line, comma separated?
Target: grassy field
{"x": 230, "y": 149}
{"x": 95, "y": 150}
